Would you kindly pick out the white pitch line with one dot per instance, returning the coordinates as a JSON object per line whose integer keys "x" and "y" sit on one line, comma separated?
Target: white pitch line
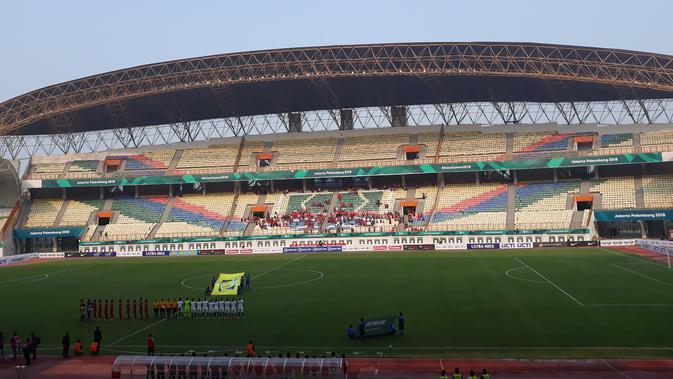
{"x": 507, "y": 273}
{"x": 636, "y": 257}
{"x": 549, "y": 281}
{"x": 642, "y": 275}
{"x": 138, "y": 331}
{"x": 611, "y": 367}
{"x": 277, "y": 267}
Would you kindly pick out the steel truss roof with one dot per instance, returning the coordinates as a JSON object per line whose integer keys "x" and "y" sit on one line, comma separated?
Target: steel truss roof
{"x": 638, "y": 112}
{"x": 317, "y": 78}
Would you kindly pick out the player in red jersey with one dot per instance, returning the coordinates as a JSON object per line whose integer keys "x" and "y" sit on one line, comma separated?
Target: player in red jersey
{"x": 112, "y": 309}
{"x": 95, "y": 310}
{"x": 135, "y": 309}
{"x": 128, "y": 309}
{"x": 100, "y": 308}
{"x": 106, "y": 310}
{"x": 145, "y": 308}
{"x": 119, "y": 308}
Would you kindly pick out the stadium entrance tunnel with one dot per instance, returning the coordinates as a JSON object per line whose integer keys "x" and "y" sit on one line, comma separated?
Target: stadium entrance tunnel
{"x": 126, "y": 367}
{"x": 47, "y": 244}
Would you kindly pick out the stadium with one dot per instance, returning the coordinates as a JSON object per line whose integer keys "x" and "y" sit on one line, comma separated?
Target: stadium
{"x": 511, "y": 202}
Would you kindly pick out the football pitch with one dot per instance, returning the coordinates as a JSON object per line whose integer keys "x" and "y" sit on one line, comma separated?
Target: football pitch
{"x": 582, "y": 302}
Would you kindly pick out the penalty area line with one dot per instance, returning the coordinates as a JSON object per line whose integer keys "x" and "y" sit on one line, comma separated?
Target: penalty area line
{"x": 549, "y": 281}
{"x": 642, "y": 275}
{"x": 137, "y": 331}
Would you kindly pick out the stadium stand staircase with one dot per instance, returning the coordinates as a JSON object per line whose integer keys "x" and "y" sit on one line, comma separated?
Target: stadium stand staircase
{"x": 511, "y": 206}
{"x": 25, "y": 210}
{"x": 636, "y": 143}
{"x": 509, "y": 145}
{"x": 577, "y": 219}
{"x": 640, "y": 192}
{"x": 337, "y": 151}
{"x": 413, "y": 139}
{"x": 176, "y": 159}
{"x": 249, "y": 229}
{"x": 164, "y": 218}
{"x": 238, "y": 155}
{"x": 585, "y": 186}
{"x": 411, "y": 193}
{"x": 570, "y": 201}
{"x": 332, "y": 204}
{"x": 440, "y": 140}
{"x": 230, "y": 216}
{"x": 107, "y": 207}
{"x": 61, "y": 213}
{"x": 66, "y": 168}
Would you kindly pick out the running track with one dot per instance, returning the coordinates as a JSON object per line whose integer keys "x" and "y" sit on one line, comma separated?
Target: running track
{"x": 397, "y": 368}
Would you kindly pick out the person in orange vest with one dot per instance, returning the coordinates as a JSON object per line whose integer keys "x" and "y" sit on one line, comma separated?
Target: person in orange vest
{"x": 93, "y": 348}
{"x": 250, "y": 349}
{"x": 77, "y": 349}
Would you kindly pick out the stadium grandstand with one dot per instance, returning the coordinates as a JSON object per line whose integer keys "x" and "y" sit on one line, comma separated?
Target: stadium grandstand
{"x": 368, "y": 150}
{"x": 421, "y": 146}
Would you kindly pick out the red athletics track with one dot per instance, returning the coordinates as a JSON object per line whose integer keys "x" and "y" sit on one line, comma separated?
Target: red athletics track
{"x": 397, "y": 368}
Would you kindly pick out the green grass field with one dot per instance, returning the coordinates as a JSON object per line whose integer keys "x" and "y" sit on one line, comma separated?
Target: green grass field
{"x": 549, "y": 302}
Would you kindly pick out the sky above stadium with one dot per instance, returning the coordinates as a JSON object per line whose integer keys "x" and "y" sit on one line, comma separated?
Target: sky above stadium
{"x": 48, "y": 42}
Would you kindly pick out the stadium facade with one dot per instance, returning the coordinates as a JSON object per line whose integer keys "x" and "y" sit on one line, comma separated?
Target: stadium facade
{"x": 345, "y": 148}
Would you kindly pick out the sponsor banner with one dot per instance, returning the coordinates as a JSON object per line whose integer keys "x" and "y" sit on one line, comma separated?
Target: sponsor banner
{"x": 655, "y": 242}
{"x": 380, "y": 326}
{"x": 516, "y": 245}
{"x": 129, "y": 254}
{"x": 450, "y": 246}
{"x": 184, "y": 253}
{"x": 76, "y": 255}
{"x": 48, "y": 232}
{"x": 550, "y": 244}
{"x": 51, "y": 255}
{"x": 90, "y": 254}
{"x": 617, "y": 242}
{"x": 156, "y": 253}
{"x": 481, "y": 246}
{"x": 238, "y": 251}
{"x": 313, "y": 249}
{"x": 358, "y": 248}
{"x": 426, "y": 247}
{"x": 211, "y": 252}
{"x": 582, "y": 243}
{"x": 380, "y": 248}
{"x": 352, "y": 172}
{"x": 395, "y": 247}
{"x": 644, "y": 215}
{"x": 267, "y": 250}
{"x": 381, "y": 234}
{"x": 661, "y": 247}
{"x": 17, "y": 258}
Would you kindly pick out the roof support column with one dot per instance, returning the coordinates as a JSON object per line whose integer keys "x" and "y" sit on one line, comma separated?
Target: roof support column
{"x": 295, "y": 122}
{"x": 346, "y": 118}
{"x": 398, "y": 116}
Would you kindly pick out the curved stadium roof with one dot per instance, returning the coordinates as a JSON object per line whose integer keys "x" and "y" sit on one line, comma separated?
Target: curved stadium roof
{"x": 333, "y": 77}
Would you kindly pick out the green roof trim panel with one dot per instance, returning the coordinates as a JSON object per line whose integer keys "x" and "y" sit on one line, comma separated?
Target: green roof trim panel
{"x": 363, "y": 171}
